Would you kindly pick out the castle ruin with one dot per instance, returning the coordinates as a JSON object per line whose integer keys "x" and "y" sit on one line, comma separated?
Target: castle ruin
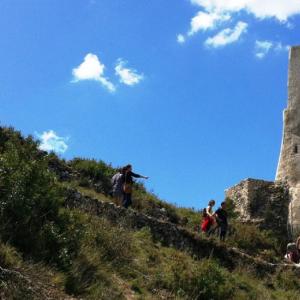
{"x": 256, "y": 199}
{"x": 288, "y": 169}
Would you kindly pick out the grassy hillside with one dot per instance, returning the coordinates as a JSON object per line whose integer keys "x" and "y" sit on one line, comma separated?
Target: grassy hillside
{"x": 92, "y": 258}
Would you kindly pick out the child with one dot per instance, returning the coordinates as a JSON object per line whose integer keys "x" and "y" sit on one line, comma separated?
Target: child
{"x": 208, "y": 217}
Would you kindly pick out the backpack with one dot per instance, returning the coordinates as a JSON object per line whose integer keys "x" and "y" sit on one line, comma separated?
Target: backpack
{"x": 117, "y": 183}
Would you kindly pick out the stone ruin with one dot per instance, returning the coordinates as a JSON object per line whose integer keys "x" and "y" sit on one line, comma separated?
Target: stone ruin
{"x": 276, "y": 205}
{"x": 260, "y": 202}
{"x": 288, "y": 169}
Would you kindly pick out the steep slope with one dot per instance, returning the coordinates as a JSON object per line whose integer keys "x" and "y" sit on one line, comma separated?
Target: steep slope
{"x": 101, "y": 251}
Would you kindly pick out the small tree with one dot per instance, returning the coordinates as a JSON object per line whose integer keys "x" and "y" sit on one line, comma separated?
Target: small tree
{"x": 29, "y": 194}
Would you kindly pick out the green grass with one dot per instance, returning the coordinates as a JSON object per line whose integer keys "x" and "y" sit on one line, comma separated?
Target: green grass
{"x": 94, "y": 259}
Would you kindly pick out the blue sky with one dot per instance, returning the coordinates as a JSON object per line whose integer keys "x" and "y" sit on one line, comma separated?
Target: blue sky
{"x": 191, "y": 92}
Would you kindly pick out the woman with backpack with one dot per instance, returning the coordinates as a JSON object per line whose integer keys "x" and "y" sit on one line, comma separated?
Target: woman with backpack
{"x": 127, "y": 185}
{"x": 208, "y": 219}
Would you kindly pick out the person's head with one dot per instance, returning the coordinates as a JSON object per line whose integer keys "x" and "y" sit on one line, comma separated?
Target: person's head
{"x": 211, "y": 202}
{"x": 128, "y": 168}
{"x": 123, "y": 170}
{"x": 223, "y": 204}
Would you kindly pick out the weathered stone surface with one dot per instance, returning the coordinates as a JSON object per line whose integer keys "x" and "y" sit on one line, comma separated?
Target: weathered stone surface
{"x": 288, "y": 169}
{"x": 262, "y": 202}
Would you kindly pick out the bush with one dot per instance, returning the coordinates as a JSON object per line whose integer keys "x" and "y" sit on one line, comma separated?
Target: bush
{"x": 253, "y": 240}
{"x": 94, "y": 174}
{"x": 193, "y": 218}
{"x": 30, "y": 196}
{"x": 151, "y": 205}
{"x": 287, "y": 280}
{"x": 205, "y": 281}
{"x": 9, "y": 257}
{"x": 31, "y": 218}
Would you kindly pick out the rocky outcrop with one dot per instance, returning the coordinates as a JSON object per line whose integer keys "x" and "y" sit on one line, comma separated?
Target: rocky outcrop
{"x": 168, "y": 234}
{"x": 262, "y": 202}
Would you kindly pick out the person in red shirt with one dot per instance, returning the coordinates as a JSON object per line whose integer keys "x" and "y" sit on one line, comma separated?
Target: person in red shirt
{"x": 208, "y": 217}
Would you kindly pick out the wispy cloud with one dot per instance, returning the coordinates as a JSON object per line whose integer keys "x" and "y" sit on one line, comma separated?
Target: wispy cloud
{"x": 180, "y": 38}
{"x": 50, "y": 141}
{"x": 262, "y": 48}
{"x": 127, "y": 76}
{"x": 92, "y": 69}
{"x": 206, "y": 20}
{"x": 227, "y": 36}
{"x": 279, "y": 9}
{"x": 214, "y": 14}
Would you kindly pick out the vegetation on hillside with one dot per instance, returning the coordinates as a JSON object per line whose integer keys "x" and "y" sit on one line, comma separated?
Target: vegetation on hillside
{"x": 94, "y": 259}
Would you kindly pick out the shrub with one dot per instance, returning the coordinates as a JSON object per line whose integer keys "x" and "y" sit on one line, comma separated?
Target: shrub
{"x": 96, "y": 174}
{"x": 205, "y": 281}
{"x": 151, "y": 205}
{"x": 30, "y": 196}
{"x": 287, "y": 280}
{"x": 9, "y": 257}
{"x": 193, "y": 218}
{"x": 253, "y": 240}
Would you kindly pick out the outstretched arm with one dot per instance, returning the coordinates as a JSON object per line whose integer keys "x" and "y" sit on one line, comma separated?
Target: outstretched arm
{"x": 138, "y": 175}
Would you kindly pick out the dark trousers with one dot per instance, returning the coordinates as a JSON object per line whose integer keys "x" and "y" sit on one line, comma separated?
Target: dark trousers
{"x": 126, "y": 201}
{"x": 223, "y": 231}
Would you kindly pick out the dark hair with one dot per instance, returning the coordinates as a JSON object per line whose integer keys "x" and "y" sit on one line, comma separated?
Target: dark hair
{"x": 222, "y": 203}
{"x": 211, "y": 202}
{"x": 128, "y": 166}
{"x": 123, "y": 170}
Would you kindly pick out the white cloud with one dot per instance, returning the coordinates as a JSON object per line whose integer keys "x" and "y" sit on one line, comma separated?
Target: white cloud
{"x": 92, "y": 69}
{"x": 206, "y": 20}
{"x": 227, "y": 36}
{"x": 126, "y": 75}
{"x": 262, "y": 48}
{"x": 214, "y": 13}
{"x": 180, "y": 38}
{"x": 50, "y": 141}
{"x": 279, "y": 9}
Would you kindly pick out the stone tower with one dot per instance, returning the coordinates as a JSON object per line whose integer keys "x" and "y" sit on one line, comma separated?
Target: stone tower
{"x": 288, "y": 169}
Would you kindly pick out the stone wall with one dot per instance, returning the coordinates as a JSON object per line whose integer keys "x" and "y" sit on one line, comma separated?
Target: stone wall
{"x": 288, "y": 169}
{"x": 262, "y": 202}
{"x": 168, "y": 234}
